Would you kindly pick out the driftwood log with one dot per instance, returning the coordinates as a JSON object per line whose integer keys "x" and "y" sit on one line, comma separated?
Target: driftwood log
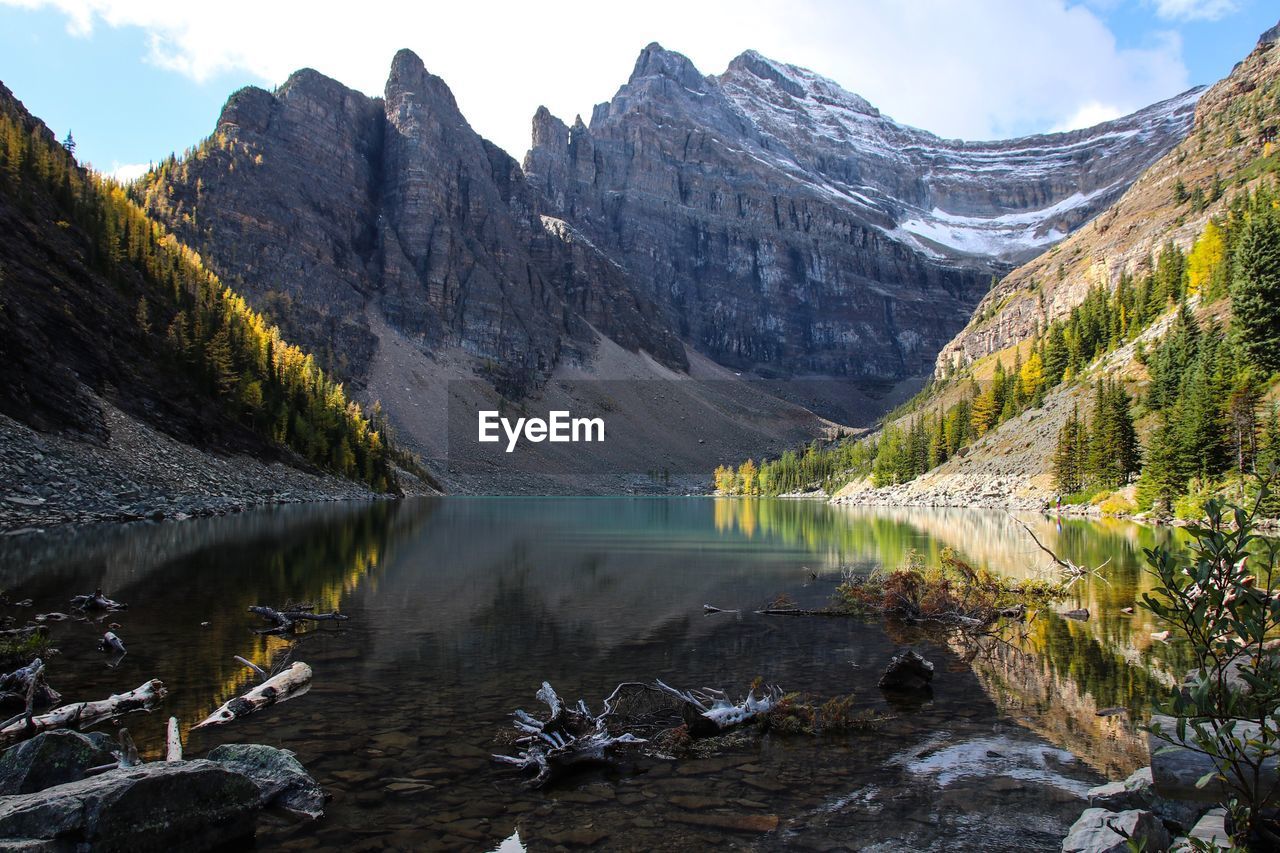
{"x": 289, "y": 684}
{"x": 287, "y": 620}
{"x": 709, "y": 712}
{"x": 567, "y": 738}
{"x": 1177, "y": 766}
{"x": 15, "y": 686}
{"x": 97, "y": 601}
{"x": 79, "y": 715}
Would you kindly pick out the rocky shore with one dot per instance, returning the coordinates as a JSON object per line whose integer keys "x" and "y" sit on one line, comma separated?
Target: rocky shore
{"x": 140, "y": 473}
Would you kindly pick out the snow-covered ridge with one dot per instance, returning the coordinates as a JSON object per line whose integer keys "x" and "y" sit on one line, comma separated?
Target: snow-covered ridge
{"x": 1003, "y": 199}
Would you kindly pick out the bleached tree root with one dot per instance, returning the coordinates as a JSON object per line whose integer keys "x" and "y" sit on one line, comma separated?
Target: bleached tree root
{"x": 709, "y": 712}
{"x": 28, "y": 680}
{"x": 289, "y": 684}
{"x": 80, "y": 715}
{"x": 567, "y": 738}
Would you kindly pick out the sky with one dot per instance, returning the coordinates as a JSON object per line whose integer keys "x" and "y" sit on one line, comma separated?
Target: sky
{"x": 135, "y": 81}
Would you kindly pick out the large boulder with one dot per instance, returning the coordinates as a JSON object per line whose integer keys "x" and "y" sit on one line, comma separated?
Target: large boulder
{"x": 1103, "y": 831}
{"x": 281, "y": 779}
{"x": 162, "y": 806}
{"x": 52, "y": 758}
{"x": 1138, "y": 792}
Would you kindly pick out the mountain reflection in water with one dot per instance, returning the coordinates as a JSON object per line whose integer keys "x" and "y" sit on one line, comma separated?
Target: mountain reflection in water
{"x": 461, "y": 607}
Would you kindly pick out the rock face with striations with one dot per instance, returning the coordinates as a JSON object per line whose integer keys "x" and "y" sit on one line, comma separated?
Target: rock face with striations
{"x": 765, "y": 216}
{"x": 335, "y": 211}
{"x": 786, "y": 225}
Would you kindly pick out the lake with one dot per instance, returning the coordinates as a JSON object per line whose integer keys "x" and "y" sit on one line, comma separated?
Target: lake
{"x": 460, "y": 607}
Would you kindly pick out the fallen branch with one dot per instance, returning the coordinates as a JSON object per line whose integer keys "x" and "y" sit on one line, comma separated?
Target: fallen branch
{"x": 81, "y": 715}
{"x": 262, "y": 674}
{"x": 1073, "y": 569}
{"x": 710, "y": 712}
{"x": 287, "y": 620}
{"x": 97, "y": 601}
{"x": 708, "y": 609}
{"x": 17, "y": 635}
{"x": 795, "y": 611}
{"x": 289, "y": 684}
{"x": 566, "y": 738}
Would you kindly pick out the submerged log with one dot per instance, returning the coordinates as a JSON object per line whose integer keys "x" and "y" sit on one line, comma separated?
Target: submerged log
{"x": 287, "y": 620}
{"x": 567, "y": 738}
{"x": 289, "y": 684}
{"x": 84, "y": 714}
{"x": 1178, "y": 767}
{"x": 97, "y": 601}
{"x": 16, "y": 685}
{"x": 709, "y": 712}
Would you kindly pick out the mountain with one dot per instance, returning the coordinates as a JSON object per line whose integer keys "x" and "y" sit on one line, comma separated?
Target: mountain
{"x": 786, "y": 225}
{"x": 762, "y": 222}
{"x": 328, "y": 207}
{"x": 1130, "y": 232}
{"x": 1109, "y": 300}
{"x": 131, "y": 381}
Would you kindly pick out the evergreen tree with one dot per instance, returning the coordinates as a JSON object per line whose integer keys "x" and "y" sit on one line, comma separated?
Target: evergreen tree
{"x": 1162, "y": 478}
{"x": 1255, "y": 290}
{"x": 1067, "y": 469}
{"x": 1055, "y": 354}
{"x": 1242, "y": 420}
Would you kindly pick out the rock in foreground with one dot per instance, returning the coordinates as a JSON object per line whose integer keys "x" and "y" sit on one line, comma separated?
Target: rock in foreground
{"x": 52, "y": 758}
{"x": 281, "y": 779}
{"x": 47, "y": 801}
{"x": 188, "y": 805}
{"x": 1102, "y": 831}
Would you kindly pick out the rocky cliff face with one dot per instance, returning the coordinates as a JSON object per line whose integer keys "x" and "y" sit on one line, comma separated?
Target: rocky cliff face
{"x": 1225, "y": 136}
{"x": 785, "y": 225}
{"x": 767, "y": 217}
{"x": 335, "y": 211}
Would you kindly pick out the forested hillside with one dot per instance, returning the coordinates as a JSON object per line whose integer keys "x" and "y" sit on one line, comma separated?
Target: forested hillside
{"x": 1153, "y": 389}
{"x": 99, "y": 301}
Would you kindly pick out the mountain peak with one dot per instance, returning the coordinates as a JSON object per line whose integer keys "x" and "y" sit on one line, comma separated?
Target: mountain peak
{"x": 751, "y": 67}
{"x": 406, "y": 64}
{"x": 656, "y": 61}
{"x": 1271, "y": 36}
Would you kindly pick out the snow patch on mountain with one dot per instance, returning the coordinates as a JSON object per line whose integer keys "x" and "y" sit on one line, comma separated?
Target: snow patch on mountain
{"x": 938, "y": 195}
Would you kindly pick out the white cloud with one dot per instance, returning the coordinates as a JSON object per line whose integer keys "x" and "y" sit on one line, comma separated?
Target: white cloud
{"x": 1194, "y": 10}
{"x": 968, "y": 68}
{"x": 126, "y": 172}
{"x": 1088, "y": 115}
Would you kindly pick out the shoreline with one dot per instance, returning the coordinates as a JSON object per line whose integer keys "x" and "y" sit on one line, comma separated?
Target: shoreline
{"x": 140, "y": 474}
